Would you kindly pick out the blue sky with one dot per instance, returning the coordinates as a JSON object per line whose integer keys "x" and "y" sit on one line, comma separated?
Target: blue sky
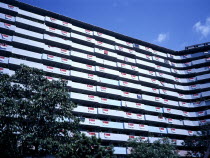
{"x": 169, "y": 23}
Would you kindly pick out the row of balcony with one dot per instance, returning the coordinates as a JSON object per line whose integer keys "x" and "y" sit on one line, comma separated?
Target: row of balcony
{"x": 106, "y": 90}
{"x": 134, "y": 127}
{"x": 92, "y": 99}
{"x": 89, "y": 32}
{"x": 105, "y": 45}
{"x": 110, "y": 113}
{"x": 84, "y": 31}
{"x": 92, "y": 58}
{"x": 101, "y": 71}
{"x": 125, "y": 137}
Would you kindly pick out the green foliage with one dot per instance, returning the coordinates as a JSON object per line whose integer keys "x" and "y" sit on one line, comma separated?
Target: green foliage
{"x": 159, "y": 149}
{"x": 29, "y": 114}
{"x": 36, "y": 119}
{"x": 89, "y": 147}
{"x": 199, "y": 144}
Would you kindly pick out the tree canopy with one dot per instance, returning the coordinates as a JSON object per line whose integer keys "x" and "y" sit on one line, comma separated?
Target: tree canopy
{"x": 162, "y": 148}
{"x": 36, "y": 118}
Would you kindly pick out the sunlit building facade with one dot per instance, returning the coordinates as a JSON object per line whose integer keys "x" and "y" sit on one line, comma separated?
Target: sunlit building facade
{"x": 124, "y": 87}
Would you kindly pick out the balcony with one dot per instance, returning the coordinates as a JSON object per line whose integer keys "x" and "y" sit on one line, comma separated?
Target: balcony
{"x": 127, "y": 68}
{"x": 128, "y": 85}
{"x": 109, "y": 102}
{"x": 138, "y": 127}
{"x": 170, "y": 102}
{"x": 156, "y": 58}
{"x": 80, "y": 76}
{"x": 105, "y": 91}
{"x": 105, "y": 72}
{"x": 133, "y": 116}
{"x": 101, "y": 35}
{"x": 126, "y": 59}
{"x": 149, "y": 89}
{"x": 104, "y": 45}
{"x": 56, "y": 70}
{"x": 4, "y": 60}
{"x": 145, "y": 63}
{"x": 162, "y": 75}
{"x": 108, "y": 81}
{"x": 126, "y": 76}
{"x": 177, "y": 131}
{"x": 199, "y": 103}
{"x": 203, "y": 77}
{"x": 18, "y": 62}
{"x": 160, "y": 53}
{"x": 7, "y": 17}
{"x": 26, "y": 53}
{"x": 6, "y": 37}
{"x": 28, "y": 42}
{"x": 90, "y": 122}
{"x": 5, "y": 47}
{"x": 32, "y": 15}
{"x": 57, "y": 31}
{"x": 110, "y": 112}
{"x": 84, "y": 109}
{"x": 174, "y": 121}
{"x": 161, "y": 68}
{"x": 29, "y": 33}
{"x": 83, "y": 38}
{"x": 57, "y": 60}
{"x": 190, "y": 123}
{"x": 125, "y": 50}
{"x": 153, "y": 109}
{"x": 82, "y": 67}
{"x": 173, "y": 111}
{"x": 169, "y": 93}
{"x": 131, "y": 96}
{"x": 31, "y": 23}
{"x": 133, "y": 105}
{"x": 105, "y": 53}
{"x": 83, "y": 98}
{"x": 206, "y": 94}
{"x": 82, "y": 87}
{"x": 199, "y": 61}
{"x": 124, "y": 43}
{"x": 151, "y": 98}
{"x": 57, "y": 39}
{"x": 157, "y": 130}
{"x": 149, "y": 80}
{"x": 84, "y": 31}
{"x": 147, "y": 72}
{"x": 9, "y": 7}
{"x": 113, "y": 136}
{"x": 204, "y": 85}
{"x": 58, "y": 22}
{"x": 82, "y": 47}
{"x": 155, "y": 118}
{"x": 7, "y": 26}
{"x": 106, "y": 62}
{"x": 110, "y": 124}
{"x": 56, "y": 50}
{"x": 82, "y": 57}
{"x": 165, "y": 84}
{"x": 144, "y": 56}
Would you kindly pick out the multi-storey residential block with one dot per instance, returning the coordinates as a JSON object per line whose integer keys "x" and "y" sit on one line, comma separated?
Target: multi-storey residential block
{"x": 124, "y": 87}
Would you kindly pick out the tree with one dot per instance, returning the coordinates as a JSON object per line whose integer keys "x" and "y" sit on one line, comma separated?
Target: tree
{"x": 199, "y": 144}
{"x": 36, "y": 119}
{"x": 89, "y": 147}
{"x": 35, "y": 115}
{"x": 162, "y": 148}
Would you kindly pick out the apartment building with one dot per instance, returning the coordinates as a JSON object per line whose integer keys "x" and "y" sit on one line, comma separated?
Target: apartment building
{"x": 124, "y": 87}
